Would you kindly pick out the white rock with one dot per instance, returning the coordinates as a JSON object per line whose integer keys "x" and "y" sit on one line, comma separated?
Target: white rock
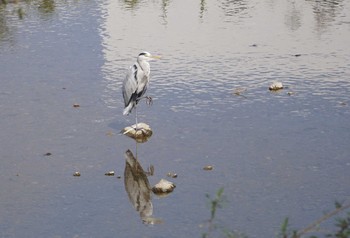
{"x": 276, "y": 86}
{"x": 141, "y": 134}
{"x": 163, "y": 186}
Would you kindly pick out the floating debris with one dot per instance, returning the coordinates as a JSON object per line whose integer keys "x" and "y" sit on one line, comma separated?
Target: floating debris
{"x": 110, "y": 173}
{"x": 208, "y": 167}
{"x": 76, "y": 174}
{"x": 109, "y": 133}
{"x": 141, "y": 134}
{"x": 76, "y": 105}
{"x": 47, "y": 154}
{"x": 239, "y": 91}
{"x": 171, "y": 175}
{"x": 276, "y": 86}
{"x": 163, "y": 186}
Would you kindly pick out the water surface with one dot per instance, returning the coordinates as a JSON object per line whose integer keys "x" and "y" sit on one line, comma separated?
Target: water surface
{"x": 275, "y": 154}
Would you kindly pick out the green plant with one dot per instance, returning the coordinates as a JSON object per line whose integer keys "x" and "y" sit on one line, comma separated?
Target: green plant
{"x": 284, "y": 232}
{"x": 342, "y": 225}
{"x": 216, "y": 203}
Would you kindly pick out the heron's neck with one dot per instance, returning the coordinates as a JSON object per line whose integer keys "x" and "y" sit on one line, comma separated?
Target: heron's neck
{"x": 144, "y": 65}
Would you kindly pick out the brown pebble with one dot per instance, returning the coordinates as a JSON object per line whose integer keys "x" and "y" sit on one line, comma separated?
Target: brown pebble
{"x": 76, "y": 174}
{"x": 163, "y": 186}
{"x": 208, "y": 167}
{"x": 76, "y": 105}
{"x": 172, "y": 175}
{"x": 110, "y": 173}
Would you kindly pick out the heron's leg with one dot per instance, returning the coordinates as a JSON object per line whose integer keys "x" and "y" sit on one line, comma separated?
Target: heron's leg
{"x": 136, "y": 118}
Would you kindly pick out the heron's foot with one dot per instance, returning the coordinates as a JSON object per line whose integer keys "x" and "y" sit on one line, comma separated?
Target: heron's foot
{"x": 136, "y": 128}
{"x": 149, "y": 100}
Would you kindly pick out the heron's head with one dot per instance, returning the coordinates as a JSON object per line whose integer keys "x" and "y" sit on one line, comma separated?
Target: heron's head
{"x": 147, "y": 56}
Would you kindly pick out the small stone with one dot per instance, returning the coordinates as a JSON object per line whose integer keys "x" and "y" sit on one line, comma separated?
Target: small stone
{"x": 76, "y": 174}
{"x": 76, "y": 105}
{"x": 172, "y": 175}
{"x": 208, "y": 167}
{"x": 110, "y": 173}
{"x": 47, "y": 154}
{"x": 276, "y": 86}
{"x": 163, "y": 186}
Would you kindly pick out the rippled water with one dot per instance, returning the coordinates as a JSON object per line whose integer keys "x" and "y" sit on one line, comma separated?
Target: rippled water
{"x": 276, "y": 154}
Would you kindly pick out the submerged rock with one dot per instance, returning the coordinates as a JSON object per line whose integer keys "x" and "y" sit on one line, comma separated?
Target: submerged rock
{"x": 276, "y": 86}
{"x": 163, "y": 186}
{"x": 141, "y": 134}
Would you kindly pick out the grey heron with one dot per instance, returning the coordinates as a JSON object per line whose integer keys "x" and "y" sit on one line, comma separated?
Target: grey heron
{"x": 136, "y": 82}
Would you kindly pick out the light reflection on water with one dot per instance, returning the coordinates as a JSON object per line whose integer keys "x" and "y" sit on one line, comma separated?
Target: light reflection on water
{"x": 197, "y": 68}
{"x": 267, "y": 148}
{"x": 241, "y": 45}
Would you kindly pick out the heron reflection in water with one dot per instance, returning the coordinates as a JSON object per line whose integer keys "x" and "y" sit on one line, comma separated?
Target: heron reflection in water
{"x": 138, "y": 189}
{"x": 136, "y": 82}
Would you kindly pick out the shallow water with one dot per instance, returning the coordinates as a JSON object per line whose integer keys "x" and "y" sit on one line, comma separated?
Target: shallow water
{"x": 276, "y": 154}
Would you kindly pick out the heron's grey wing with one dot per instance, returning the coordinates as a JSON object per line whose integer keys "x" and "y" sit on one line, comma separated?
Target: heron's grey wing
{"x": 142, "y": 84}
{"x": 130, "y": 85}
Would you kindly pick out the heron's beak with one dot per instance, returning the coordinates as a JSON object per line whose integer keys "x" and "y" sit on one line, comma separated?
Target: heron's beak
{"x": 156, "y": 56}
